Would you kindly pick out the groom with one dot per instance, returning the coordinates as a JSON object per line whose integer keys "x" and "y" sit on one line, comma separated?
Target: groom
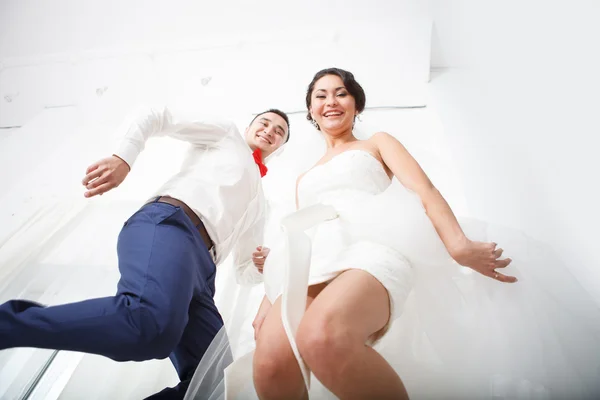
{"x": 169, "y": 249}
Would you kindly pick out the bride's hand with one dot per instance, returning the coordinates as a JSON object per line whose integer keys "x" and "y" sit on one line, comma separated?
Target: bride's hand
{"x": 263, "y": 310}
{"x": 483, "y": 258}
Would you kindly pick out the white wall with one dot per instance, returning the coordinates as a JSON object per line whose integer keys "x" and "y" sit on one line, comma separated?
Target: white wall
{"x": 519, "y": 105}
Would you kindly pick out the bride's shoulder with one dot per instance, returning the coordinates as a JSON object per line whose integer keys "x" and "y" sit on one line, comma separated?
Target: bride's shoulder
{"x": 377, "y": 140}
{"x": 382, "y": 140}
{"x": 379, "y": 136}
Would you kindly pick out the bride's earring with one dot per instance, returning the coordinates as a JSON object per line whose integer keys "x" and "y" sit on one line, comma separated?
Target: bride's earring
{"x": 312, "y": 121}
{"x": 356, "y": 116}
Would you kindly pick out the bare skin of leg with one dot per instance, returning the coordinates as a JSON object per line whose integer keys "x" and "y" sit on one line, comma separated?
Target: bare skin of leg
{"x": 332, "y": 335}
{"x": 275, "y": 369}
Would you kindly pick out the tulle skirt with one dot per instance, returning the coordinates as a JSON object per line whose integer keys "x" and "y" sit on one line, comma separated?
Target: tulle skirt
{"x": 456, "y": 334}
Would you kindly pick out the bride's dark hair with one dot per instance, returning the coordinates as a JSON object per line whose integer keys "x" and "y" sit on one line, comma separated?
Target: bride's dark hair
{"x": 350, "y": 83}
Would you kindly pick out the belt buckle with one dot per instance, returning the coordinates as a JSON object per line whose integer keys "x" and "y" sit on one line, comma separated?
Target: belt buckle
{"x": 213, "y": 253}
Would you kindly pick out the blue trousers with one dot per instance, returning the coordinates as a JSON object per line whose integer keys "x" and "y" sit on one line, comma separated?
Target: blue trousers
{"x": 163, "y": 306}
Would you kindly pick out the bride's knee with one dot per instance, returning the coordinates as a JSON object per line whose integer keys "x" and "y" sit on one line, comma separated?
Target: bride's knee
{"x": 276, "y": 374}
{"x": 266, "y": 366}
{"x": 273, "y": 365}
{"x": 324, "y": 344}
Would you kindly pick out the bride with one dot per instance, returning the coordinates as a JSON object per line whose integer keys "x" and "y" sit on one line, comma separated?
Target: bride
{"x": 356, "y": 287}
{"x": 329, "y": 304}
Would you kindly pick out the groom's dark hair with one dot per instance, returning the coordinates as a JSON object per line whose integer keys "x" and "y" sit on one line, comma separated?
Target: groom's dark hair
{"x": 278, "y": 112}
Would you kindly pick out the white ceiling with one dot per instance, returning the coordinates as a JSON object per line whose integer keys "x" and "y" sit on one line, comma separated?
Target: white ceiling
{"x": 462, "y": 29}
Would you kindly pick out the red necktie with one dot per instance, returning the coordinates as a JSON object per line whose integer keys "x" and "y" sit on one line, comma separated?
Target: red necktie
{"x": 258, "y": 160}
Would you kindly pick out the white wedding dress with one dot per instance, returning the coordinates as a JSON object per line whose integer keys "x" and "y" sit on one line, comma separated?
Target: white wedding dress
{"x": 453, "y": 333}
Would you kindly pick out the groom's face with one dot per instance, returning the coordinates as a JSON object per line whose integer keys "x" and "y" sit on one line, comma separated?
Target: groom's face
{"x": 267, "y": 132}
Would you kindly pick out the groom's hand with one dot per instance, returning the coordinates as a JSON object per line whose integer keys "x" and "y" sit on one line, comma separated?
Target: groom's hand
{"x": 104, "y": 175}
{"x": 259, "y": 257}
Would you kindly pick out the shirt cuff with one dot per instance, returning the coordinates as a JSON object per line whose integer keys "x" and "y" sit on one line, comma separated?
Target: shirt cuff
{"x": 128, "y": 152}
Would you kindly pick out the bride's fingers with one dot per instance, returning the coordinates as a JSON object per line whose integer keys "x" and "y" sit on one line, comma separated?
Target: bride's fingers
{"x": 503, "y": 263}
{"x": 503, "y": 278}
{"x": 498, "y": 253}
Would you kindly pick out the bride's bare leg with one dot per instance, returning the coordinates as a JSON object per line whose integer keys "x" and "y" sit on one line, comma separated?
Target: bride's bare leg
{"x": 332, "y": 335}
{"x": 275, "y": 369}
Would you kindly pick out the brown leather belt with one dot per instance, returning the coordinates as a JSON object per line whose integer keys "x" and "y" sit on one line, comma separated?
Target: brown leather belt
{"x": 191, "y": 214}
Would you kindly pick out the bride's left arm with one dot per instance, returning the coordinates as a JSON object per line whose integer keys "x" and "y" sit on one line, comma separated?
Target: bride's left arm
{"x": 482, "y": 257}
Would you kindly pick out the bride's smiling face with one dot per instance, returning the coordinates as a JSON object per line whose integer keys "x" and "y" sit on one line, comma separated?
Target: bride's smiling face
{"x": 332, "y": 106}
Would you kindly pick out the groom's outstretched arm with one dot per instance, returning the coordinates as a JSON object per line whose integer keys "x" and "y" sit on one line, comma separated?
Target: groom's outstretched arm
{"x": 188, "y": 125}
{"x": 142, "y": 124}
